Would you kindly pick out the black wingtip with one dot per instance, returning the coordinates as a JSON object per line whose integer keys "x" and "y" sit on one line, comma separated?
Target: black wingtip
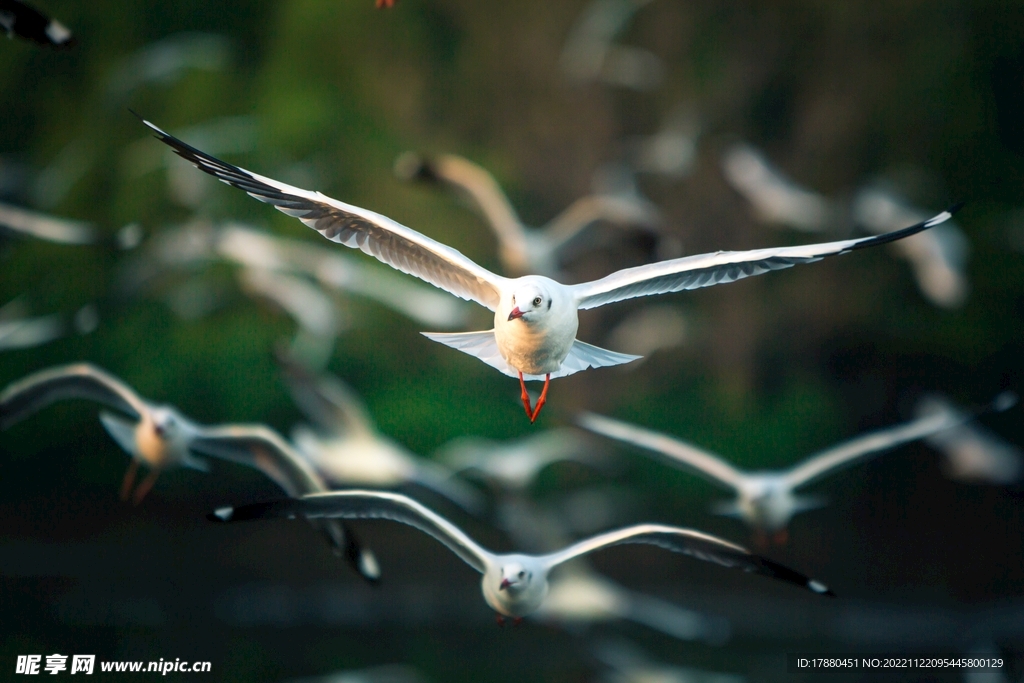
{"x": 412, "y": 166}
{"x": 956, "y": 207}
{"x": 137, "y": 114}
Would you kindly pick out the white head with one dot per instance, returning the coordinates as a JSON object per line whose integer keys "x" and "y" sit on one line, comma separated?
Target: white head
{"x": 530, "y": 303}
{"x": 515, "y": 578}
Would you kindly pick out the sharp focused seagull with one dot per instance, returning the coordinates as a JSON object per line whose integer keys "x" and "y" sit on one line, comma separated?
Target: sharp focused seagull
{"x": 19, "y": 19}
{"x": 162, "y": 438}
{"x": 535, "y": 317}
{"x": 347, "y": 449}
{"x": 514, "y": 585}
{"x": 767, "y": 500}
{"x": 524, "y": 250}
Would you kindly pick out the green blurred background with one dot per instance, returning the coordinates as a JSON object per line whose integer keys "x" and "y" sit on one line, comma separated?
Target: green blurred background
{"x": 929, "y": 95}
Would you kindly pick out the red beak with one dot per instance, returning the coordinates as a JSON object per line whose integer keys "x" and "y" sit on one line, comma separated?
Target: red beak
{"x": 516, "y": 313}
{"x": 504, "y": 582}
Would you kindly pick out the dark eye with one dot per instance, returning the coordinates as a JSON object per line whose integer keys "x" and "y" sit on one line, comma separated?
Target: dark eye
{"x": 522, "y": 574}
{"x": 536, "y": 302}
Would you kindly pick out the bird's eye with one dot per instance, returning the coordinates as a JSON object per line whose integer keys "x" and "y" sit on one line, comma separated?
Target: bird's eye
{"x": 536, "y": 302}
{"x": 522, "y": 574}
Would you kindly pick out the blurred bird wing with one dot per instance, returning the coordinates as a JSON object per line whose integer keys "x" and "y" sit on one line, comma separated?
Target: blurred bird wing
{"x": 330, "y": 403}
{"x": 705, "y": 270}
{"x": 260, "y": 448}
{"x": 481, "y": 187}
{"x": 868, "y": 445}
{"x": 46, "y": 227}
{"x": 588, "y": 210}
{"x": 356, "y": 504}
{"x": 671, "y": 450}
{"x": 121, "y": 430}
{"x": 384, "y": 239}
{"x": 484, "y": 346}
{"x": 688, "y": 542}
{"x": 79, "y": 380}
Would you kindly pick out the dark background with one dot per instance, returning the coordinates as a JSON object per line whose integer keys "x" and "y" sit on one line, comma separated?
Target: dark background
{"x": 927, "y": 94}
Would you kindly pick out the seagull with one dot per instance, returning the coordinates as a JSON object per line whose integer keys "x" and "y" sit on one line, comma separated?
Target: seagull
{"x": 522, "y": 249}
{"x": 972, "y": 453}
{"x": 19, "y": 19}
{"x": 349, "y": 451}
{"x": 535, "y": 317}
{"x": 774, "y": 197}
{"x": 161, "y": 437}
{"x": 938, "y": 258}
{"x": 590, "y": 53}
{"x": 514, "y": 585}
{"x": 514, "y": 465}
{"x": 766, "y": 500}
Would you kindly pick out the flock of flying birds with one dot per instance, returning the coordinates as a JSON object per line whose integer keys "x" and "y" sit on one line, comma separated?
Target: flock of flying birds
{"x": 341, "y": 467}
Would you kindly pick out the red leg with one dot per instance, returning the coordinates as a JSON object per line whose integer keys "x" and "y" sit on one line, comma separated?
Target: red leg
{"x": 517, "y": 621}
{"x": 145, "y": 486}
{"x": 526, "y": 398}
{"x": 129, "y": 478}
{"x": 501, "y": 620}
{"x": 542, "y": 400}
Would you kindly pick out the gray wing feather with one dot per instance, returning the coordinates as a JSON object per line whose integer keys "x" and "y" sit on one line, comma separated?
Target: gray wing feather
{"x": 705, "y": 270}
{"x": 80, "y": 380}
{"x": 695, "y": 544}
{"x": 384, "y": 239}
{"x": 358, "y": 504}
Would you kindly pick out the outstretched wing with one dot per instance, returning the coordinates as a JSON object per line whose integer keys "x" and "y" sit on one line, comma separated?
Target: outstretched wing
{"x": 673, "y": 451}
{"x": 379, "y": 236}
{"x": 79, "y": 380}
{"x": 704, "y": 270}
{"x": 868, "y": 445}
{"x": 695, "y": 544}
{"x": 358, "y": 504}
{"x": 264, "y": 449}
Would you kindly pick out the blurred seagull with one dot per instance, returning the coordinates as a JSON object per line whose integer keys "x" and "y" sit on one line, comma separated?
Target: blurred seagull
{"x": 578, "y": 595}
{"x": 19, "y": 19}
{"x": 766, "y": 500}
{"x": 522, "y": 249}
{"x": 535, "y": 317}
{"x": 937, "y": 257}
{"x": 775, "y": 198}
{"x": 44, "y": 227}
{"x": 514, "y": 465}
{"x": 972, "y": 453}
{"x": 514, "y": 585}
{"x": 590, "y": 53}
{"x": 162, "y": 438}
{"x": 349, "y": 451}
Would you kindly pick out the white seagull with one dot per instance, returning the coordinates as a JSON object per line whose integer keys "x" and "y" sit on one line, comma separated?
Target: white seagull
{"x": 161, "y": 438}
{"x": 347, "y": 450}
{"x": 522, "y": 249}
{"x": 972, "y": 453}
{"x": 513, "y": 584}
{"x": 767, "y": 500}
{"x": 535, "y": 317}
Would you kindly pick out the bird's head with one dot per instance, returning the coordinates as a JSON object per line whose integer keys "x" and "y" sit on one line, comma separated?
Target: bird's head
{"x": 165, "y": 424}
{"x": 514, "y": 577}
{"x": 529, "y": 303}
